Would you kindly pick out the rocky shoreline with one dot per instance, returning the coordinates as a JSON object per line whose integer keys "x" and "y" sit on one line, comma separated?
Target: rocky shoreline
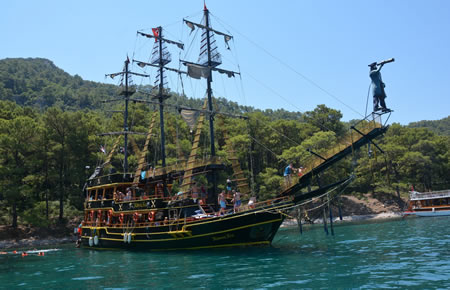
{"x": 371, "y": 207}
{"x": 34, "y": 242}
{"x": 348, "y": 219}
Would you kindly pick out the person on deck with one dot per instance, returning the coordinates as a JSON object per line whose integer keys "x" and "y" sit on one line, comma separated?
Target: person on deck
{"x": 287, "y": 174}
{"x": 300, "y": 171}
{"x": 251, "y": 202}
{"x": 229, "y": 186}
{"x": 128, "y": 196}
{"x": 195, "y": 192}
{"x": 204, "y": 194}
{"x": 120, "y": 196}
{"x": 377, "y": 88}
{"x": 160, "y": 190}
{"x": 236, "y": 200}
{"x": 222, "y": 202}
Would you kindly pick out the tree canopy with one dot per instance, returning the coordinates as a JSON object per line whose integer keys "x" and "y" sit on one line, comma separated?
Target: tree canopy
{"x": 49, "y": 123}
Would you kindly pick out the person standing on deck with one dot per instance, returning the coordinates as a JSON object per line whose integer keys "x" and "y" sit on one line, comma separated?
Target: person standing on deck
{"x": 195, "y": 192}
{"x": 128, "y": 196}
{"x": 287, "y": 174}
{"x": 222, "y": 202}
{"x": 229, "y": 188}
{"x": 236, "y": 200}
{"x": 377, "y": 87}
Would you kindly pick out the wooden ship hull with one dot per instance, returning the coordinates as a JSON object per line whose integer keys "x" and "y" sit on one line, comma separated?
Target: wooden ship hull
{"x": 249, "y": 228}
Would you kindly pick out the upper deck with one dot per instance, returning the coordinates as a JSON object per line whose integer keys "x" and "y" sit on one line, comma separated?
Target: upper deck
{"x": 415, "y": 195}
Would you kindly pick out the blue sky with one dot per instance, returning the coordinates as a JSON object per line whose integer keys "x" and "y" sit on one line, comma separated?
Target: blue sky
{"x": 292, "y": 54}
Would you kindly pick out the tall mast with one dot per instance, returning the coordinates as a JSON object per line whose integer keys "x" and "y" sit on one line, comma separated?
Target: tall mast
{"x": 161, "y": 98}
{"x": 160, "y": 62}
{"x": 126, "y": 93}
{"x": 203, "y": 69}
{"x": 125, "y": 118}
{"x": 209, "y": 80}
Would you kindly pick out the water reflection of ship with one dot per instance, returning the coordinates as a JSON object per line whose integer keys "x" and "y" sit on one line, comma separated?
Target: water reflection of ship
{"x": 151, "y": 215}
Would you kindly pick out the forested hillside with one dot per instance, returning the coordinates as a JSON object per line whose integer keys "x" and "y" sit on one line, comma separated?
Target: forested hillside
{"x": 49, "y": 123}
{"x": 440, "y": 127}
{"x": 38, "y": 83}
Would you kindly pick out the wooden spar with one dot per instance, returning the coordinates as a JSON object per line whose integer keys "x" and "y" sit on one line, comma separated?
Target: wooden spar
{"x": 331, "y": 216}
{"x": 299, "y": 220}
{"x": 110, "y": 154}
{"x": 144, "y": 151}
{"x": 136, "y": 149}
{"x": 324, "y": 218}
{"x": 339, "y": 208}
{"x": 239, "y": 177}
{"x": 187, "y": 178}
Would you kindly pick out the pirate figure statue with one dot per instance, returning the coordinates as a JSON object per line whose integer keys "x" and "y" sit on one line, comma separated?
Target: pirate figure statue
{"x": 378, "y": 86}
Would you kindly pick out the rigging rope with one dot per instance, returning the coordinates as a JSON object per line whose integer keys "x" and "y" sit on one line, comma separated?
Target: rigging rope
{"x": 279, "y": 158}
{"x": 276, "y": 131}
{"x": 346, "y": 183}
{"x": 367, "y": 101}
{"x": 294, "y": 70}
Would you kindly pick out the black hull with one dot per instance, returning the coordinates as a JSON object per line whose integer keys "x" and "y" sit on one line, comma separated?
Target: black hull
{"x": 234, "y": 230}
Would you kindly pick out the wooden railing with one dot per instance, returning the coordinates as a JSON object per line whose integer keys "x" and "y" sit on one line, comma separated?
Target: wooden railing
{"x": 364, "y": 126}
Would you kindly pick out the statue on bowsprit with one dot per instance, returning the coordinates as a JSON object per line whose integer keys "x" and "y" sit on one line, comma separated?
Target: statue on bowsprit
{"x": 378, "y": 86}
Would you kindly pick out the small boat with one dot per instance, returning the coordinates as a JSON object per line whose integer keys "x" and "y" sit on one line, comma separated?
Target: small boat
{"x": 433, "y": 203}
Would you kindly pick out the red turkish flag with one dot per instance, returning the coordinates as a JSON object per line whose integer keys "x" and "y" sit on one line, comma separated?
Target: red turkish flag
{"x": 155, "y": 33}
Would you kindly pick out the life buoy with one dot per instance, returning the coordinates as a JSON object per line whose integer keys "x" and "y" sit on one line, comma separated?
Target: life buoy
{"x": 151, "y": 216}
{"x": 129, "y": 238}
{"x": 135, "y": 216}
{"x": 96, "y": 240}
{"x": 121, "y": 218}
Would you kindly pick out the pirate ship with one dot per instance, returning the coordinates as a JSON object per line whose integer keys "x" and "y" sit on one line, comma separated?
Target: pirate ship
{"x": 140, "y": 209}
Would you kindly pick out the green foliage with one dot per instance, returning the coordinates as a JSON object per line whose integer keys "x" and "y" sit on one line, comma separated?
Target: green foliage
{"x": 326, "y": 119}
{"x": 270, "y": 183}
{"x": 440, "y": 127}
{"x": 36, "y": 215}
{"x": 39, "y": 83}
{"x": 48, "y": 134}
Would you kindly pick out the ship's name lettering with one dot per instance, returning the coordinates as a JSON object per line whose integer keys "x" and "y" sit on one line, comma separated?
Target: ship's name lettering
{"x": 227, "y": 236}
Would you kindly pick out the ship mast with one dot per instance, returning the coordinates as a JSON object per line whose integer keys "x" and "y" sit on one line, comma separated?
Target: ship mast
{"x": 204, "y": 69}
{"x": 160, "y": 62}
{"x": 161, "y": 99}
{"x": 126, "y": 93}
{"x": 209, "y": 90}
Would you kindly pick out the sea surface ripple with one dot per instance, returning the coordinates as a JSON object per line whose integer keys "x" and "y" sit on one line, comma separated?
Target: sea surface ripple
{"x": 409, "y": 253}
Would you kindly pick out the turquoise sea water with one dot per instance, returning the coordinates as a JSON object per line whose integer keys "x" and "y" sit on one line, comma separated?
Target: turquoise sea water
{"x": 410, "y": 253}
